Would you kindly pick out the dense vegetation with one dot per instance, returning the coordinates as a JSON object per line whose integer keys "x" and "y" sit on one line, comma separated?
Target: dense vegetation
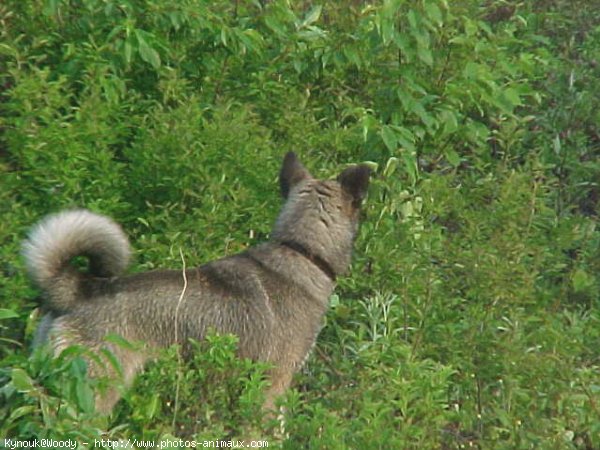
{"x": 471, "y": 317}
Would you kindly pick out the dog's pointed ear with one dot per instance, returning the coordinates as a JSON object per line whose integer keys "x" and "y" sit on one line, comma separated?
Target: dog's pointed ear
{"x": 292, "y": 172}
{"x": 355, "y": 181}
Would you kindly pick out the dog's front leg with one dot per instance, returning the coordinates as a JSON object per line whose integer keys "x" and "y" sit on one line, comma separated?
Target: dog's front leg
{"x": 281, "y": 378}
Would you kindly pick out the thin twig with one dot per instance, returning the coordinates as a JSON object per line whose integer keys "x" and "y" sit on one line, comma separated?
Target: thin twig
{"x": 179, "y": 359}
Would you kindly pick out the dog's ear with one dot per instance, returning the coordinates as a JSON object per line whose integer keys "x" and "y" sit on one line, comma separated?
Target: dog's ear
{"x": 292, "y": 172}
{"x": 355, "y": 181}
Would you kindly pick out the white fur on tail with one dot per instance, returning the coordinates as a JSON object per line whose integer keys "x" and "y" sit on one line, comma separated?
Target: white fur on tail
{"x": 58, "y": 238}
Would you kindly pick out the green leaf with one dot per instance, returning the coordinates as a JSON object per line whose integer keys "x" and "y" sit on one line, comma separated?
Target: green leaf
{"x": 434, "y": 12}
{"x": 387, "y": 31}
{"x": 21, "y": 412}
{"x": 224, "y": 32}
{"x": 390, "y": 166}
{"x": 128, "y": 51}
{"x": 147, "y": 53}
{"x": 150, "y": 408}
{"x": 253, "y": 40}
{"x": 334, "y": 300}
{"x": 425, "y": 55}
{"x": 21, "y": 380}
{"x": 312, "y": 16}
{"x": 311, "y": 34}
{"x": 413, "y": 19}
{"x": 453, "y": 157}
{"x": 7, "y": 314}
{"x": 275, "y": 25}
{"x": 368, "y": 122}
{"x": 507, "y": 100}
{"x": 472, "y": 71}
{"x": 556, "y": 145}
{"x": 175, "y": 18}
{"x": 449, "y": 121}
{"x": 120, "y": 341}
{"x": 512, "y": 95}
{"x": 352, "y": 56}
{"x": 389, "y": 138}
{"x": 113, "y": 360}
{"x": 410, "y": 164}
{"x": 406, "y": 138}
{"x": 85, "y": 396}
{"x": 51, "y": 7}
{"x": 581, "y": 280}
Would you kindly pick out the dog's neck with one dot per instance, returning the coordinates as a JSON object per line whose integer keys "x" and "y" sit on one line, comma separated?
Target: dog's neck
{"x": 315, "y": 259}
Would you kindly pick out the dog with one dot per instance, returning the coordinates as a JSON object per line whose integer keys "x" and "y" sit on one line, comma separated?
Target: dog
{"x": 272, "y": 296}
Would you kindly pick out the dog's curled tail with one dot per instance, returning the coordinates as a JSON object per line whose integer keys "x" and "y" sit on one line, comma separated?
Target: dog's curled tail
{"x": 59, "y": 238}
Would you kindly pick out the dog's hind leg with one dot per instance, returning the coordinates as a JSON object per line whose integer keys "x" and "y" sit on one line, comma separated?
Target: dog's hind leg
{"x": 130, "y": 361}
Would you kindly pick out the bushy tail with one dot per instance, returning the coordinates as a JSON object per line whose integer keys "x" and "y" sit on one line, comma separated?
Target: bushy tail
{"x": 58, "y": 238}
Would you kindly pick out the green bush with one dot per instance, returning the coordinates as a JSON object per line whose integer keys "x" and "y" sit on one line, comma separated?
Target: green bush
{"x": 471, "y": 315}
{"x": 212, "y": 396}
{"x": 48, "y": 398}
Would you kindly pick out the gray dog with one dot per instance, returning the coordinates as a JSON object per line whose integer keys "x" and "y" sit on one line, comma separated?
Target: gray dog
{"x": 272, "y": 296}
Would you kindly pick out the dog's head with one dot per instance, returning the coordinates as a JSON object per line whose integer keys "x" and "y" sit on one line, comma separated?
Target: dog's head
{"x": 321, "y": 215}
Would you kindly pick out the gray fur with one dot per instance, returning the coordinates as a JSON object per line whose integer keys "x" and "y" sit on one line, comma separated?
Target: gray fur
{"x": 57, "y": 239}
{"x": 271, "y": 296}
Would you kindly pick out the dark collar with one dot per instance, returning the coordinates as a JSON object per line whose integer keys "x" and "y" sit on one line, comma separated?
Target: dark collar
{"x": 315, "y": 259}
